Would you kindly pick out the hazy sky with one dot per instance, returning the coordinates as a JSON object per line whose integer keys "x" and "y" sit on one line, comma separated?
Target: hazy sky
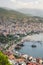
{"x": 14, "y": 4}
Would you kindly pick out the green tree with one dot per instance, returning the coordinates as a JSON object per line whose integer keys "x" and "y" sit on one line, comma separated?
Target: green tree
{"x": 4, "y": 59}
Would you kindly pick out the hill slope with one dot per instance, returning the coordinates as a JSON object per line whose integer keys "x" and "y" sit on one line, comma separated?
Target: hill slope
{"x": 11, "y": 13}
{"x": 33, "y": 12}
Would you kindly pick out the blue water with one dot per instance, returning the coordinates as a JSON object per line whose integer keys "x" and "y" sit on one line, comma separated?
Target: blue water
{"x": 35, "y": 52}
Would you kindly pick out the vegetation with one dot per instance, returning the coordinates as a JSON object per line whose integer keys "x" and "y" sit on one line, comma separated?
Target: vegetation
{"x": 32, "y": 32}
{"x": 3, "y": 39}
{"x": 6, "y": 39}
{"x": 21, "y": 35}
{"x": 11, "y": 13}
{"x": 4, "y": 59}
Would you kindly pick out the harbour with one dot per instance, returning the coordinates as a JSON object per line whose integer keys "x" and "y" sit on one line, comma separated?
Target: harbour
{"x": 36, "y": 41}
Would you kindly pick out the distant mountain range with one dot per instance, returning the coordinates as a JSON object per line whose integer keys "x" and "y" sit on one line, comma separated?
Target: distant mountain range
{"x": 32, "y": 12}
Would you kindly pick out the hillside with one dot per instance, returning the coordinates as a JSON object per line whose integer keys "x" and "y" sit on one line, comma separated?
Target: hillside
{"x": 32, "y": 12}
{"x": 13, "y": 22}
{"x": 4, "y": 59}
{"x": 11, "y": 13}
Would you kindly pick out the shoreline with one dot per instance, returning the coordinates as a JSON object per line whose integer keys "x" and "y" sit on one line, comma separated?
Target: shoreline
{"x": 11, "y": 48}
{"x": 34, "y": 37}
{"x": 28, "y": 38}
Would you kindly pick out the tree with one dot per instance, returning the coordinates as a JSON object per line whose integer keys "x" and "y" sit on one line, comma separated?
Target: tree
{"x": 4, "y": 59}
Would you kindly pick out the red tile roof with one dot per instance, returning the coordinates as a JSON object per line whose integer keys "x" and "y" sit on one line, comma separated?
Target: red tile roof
{"x": 33, "y": 64}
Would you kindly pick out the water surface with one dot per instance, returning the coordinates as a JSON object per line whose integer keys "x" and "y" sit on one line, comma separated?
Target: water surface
{"x": 37, "y": 51}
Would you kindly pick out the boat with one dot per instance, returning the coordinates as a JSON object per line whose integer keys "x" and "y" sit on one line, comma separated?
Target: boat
{"x": 20, "y": 44}
{"x": 17, "y": 47}
{"x": 33, "y": 46}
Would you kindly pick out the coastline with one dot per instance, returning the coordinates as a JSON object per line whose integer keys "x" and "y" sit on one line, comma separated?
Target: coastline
{"x": 34, "y": 37}
{"x": 26, "y": 38}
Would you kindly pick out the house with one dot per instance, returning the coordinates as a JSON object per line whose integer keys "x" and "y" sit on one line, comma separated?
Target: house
{"x": 0, "y": 48}
{"x": 25, "y": 56}
{"x": 13, "y": 62}
{"x": 30, "y": 58}
{"x": 30, "y": 63}
{"x": 41, "y": 61}
{"x": 20, "y": 59}
{"x": 33, "y": 60}
{"x": 8, "y": 53}
{"x": 11, "y": 57}
{"x": 22, "y": 63}
{"x": 37, "y": 60}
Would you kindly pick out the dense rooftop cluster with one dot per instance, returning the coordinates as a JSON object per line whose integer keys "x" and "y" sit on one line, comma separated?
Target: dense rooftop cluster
{"x": 21, "y": 26}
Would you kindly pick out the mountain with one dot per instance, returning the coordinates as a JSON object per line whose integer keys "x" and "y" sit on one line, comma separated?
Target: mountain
{"x": 32, "y": 12}
{"x": 10, "y": 13}
{"x": 24, "y": 12}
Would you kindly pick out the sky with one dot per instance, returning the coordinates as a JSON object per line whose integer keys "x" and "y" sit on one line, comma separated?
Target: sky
{"x": 18, "y": 4}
